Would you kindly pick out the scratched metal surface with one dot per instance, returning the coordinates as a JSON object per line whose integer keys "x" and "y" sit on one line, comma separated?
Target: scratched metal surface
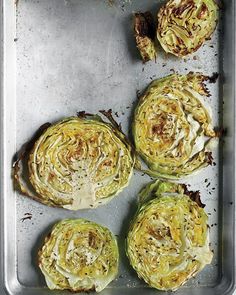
{"x": 80, "y": 55}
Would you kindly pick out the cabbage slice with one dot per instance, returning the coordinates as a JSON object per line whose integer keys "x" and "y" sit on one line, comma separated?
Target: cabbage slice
{"x": 184, "y": 25}
{"x": 79, "y": 162}
{"x": 79, "y": 255}
{"x": 172, "y": 126}
{"x": 168, "y": 239}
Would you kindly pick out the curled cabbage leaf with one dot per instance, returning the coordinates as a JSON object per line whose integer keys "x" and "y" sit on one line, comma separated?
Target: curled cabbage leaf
{"x": 184, "y": 25}
{"x": 79, "y": 255}
{"x": 80, "y": 162}
{"x": 168, "y": 240}
{"x": 144, "y": 29}
{"x": 172, "y": 126}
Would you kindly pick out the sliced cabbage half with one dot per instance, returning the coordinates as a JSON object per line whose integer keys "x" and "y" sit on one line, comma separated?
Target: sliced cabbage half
{"x": 168, "y": 240}
{"x": 184, "y": 25}
{"x": 172, "y": 126}
{"x": 79, "y": 255}
{"x": 80, "y": 162}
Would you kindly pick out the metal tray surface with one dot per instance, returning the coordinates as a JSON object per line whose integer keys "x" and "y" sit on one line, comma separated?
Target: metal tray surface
{"x": 62, "y": 56}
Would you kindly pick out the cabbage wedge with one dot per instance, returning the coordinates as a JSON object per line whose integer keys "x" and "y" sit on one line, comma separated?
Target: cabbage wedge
{"x": 144, "y": 29}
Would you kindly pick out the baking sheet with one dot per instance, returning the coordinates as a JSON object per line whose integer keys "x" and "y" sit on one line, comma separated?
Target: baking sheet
{"x": 76, "y": 55}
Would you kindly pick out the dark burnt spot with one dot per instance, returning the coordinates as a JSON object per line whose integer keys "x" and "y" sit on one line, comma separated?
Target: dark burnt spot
{"x": 158, "y": 129}
{"x": 209, "y": 158}
{"x": 203, "y": 13}
{"x": 194, "y": 196}
{"x": 156, "y": 234}
{"x": 179, "y": 40}
{"x": 144, "y": 24}
{"x": 198, "y": 46}
{"x": 179, "y": 10}
{"x": 213, "y": 78}
{"x": 92, "y": 240}
{"x": 220, "y": 131}
{"x": 177, "y": 49}
{"x": 83, "y": 114}
{"x": 204, "y": 87}
{"x": 47, "y": 238}
{"x": 160, "y": 234}
{"x": 107, "y": 163}
{"x": 108, "y": 115}
{"x": 87, "y": 291}
{"x": 51, "y": 176}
